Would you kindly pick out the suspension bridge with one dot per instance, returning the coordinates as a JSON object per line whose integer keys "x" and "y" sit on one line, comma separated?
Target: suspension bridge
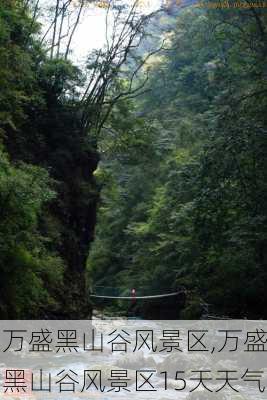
{"x": 110, "y": 293}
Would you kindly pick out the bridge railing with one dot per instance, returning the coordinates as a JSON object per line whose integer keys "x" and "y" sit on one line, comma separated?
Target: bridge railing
{"x": 127, "y": 294}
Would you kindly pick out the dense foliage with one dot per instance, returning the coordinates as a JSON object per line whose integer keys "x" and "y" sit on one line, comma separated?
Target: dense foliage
{"x": 183, "y": 173}
{"x": 184, "y": 197}
{"x": 47, "y": 189}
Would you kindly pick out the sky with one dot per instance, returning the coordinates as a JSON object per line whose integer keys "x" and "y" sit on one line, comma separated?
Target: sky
{"x": 90, "y": 33}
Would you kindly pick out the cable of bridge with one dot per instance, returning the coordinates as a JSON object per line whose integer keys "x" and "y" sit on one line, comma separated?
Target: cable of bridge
{"x": 157, "y": 296}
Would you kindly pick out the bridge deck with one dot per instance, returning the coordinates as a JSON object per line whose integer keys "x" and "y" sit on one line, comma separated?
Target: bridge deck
{"x": 157, "y": 296}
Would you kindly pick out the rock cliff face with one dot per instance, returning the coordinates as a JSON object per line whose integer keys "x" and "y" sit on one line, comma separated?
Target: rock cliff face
{"x": 75, "y": 208}
{"x": 52, "y": 137}
{"x": 72, "y": 164}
